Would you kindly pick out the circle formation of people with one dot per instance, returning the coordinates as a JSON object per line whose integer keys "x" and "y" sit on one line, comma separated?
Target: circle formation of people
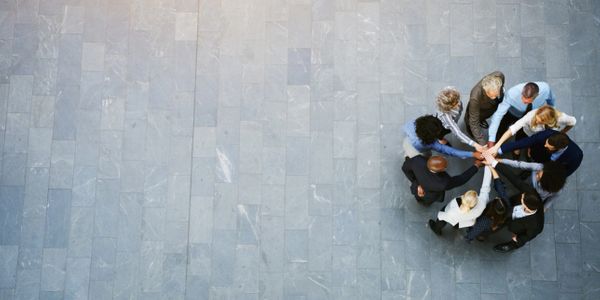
{"x": 526, "y": 112}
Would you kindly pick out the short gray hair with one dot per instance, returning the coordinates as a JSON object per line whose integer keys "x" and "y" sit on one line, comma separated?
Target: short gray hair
{"x": 447, "y": 98}
{"x": 491, "y": 83}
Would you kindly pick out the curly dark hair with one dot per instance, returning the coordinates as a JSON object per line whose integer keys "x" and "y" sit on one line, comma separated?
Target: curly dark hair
{"x": 554, "y": 177}
{"x": 429, "y": 129}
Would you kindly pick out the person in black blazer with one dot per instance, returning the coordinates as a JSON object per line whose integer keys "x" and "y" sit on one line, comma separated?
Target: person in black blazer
{"x": 429, "y": 179}
{"x": 549, "y": 145}
{"x": 525, "y": 212}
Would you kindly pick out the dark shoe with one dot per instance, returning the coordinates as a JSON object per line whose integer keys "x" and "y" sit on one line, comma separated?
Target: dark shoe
{"x": 480, "y": 238}
{"x": 505, "y": 248}
{"x": 484, "y": 124}
{"x": 434, "y": 228}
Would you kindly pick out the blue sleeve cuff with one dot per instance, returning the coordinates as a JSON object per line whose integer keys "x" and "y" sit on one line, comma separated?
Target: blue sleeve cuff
{"x": 500, "y": 151}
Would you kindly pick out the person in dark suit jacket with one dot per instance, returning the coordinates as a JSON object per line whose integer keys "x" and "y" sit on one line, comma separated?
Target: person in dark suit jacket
{"x": 549, "y": 145}
{"x": 429, "y": 179}
{"x": 525, "y": 212}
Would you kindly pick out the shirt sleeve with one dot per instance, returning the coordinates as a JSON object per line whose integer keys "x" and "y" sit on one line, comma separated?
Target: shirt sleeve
{"x": 522, "y": 122}
{"x": 456, "y": 130}
{"x": 484, "y": 192}
{"x": 496, "y": 118}
{"x": 550, "y": 99}
{"x": 522, "y": 164}
{"x": 566, "y": 120}
{"x": 445, "y": 149}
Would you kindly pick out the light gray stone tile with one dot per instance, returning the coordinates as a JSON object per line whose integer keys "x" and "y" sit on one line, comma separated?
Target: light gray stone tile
{"x": 508, "y": 42}
{"x": 543, "y": 255}
{"x": 106, "y": 208}
{"x": 11, "y": 214}
{"x": 321, "y": 157}
{"x": 368, "y": 161}
{"x": 58, "y": 217}
{"x": 8, "y": 272}
{"x": 296, "y": 202}
{"x": 16, "y": 134}
{"x": 81, "y": 232}
{"x": 14, "y": 168}
{"x": 298, "y": 114}
{"x": 273, "y": 200}
{"x": 53, "y": 270}
{"x": 225, "y": 206}
{"x": 223, "y": 266}
{"x": 297, "y": 156}
{"x": 566, "y": 226}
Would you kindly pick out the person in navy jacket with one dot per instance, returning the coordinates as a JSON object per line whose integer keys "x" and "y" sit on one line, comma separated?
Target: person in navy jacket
{"x": 549, "y": 145}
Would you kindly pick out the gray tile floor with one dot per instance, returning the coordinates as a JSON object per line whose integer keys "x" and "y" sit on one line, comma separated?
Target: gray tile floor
{"x": 245, "y": 149}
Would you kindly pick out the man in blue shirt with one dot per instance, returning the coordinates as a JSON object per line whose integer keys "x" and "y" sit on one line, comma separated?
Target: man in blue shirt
{"x": 518, "y": 101}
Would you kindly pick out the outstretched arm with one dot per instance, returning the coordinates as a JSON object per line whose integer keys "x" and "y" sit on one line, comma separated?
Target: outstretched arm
{"x": 456, "y": 130}
{"x": 521, "y": 164}
{"x": 445, "y": 149}
{"x": 461, "y": 179}
{"x": 496, "y": 118}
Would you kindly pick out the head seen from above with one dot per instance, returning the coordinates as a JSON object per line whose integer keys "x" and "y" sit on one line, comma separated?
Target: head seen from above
{"x": 547, "y": 116}
{"x": 429, "y": 129}
{"x": 469, "y": 200}
{"x": 448, "y": 99}
{"x": 531, "y": 202}
{"x": 556, "y": 142}
{"x": 491, "y": 86}
{"x": 437, "y": 164}
{"x": 552, "y": 177}
{"x": 530, "y": 91}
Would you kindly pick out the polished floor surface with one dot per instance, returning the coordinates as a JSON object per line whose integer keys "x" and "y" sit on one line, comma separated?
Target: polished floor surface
{"x": 251, "y": 149}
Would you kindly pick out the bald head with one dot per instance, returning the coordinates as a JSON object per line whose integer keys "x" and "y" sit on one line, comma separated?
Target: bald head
{"x": 437, "y": 164}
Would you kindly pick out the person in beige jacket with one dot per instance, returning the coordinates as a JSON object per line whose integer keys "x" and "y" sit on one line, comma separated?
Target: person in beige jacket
{"x": 464, "y": 210}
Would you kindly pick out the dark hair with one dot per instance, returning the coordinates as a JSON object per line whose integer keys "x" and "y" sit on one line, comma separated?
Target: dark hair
{"x": 530, "y": 90}
{"x": 496, "y": 211}
{"x": 558, "y": 140}
{"x": 532, "y": 201}
{"x": 554, "y": 176}
{"x": 428, "y": 129}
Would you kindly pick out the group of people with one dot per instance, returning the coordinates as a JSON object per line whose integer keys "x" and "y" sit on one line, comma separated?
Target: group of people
{"x": 526, "y": 112}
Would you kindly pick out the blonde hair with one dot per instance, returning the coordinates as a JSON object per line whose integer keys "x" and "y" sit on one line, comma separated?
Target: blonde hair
{"x": 491, "y": 83}
{"x": 548, "y": 115}
{"x": 469, "y": 200}
{"x": 447, "y": 99}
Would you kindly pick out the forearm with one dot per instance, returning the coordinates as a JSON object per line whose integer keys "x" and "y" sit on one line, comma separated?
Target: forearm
{"x": 461, "y": 179}
{"x": 445, "y": 149}
{"x": 522, "y": 164}
{"x": 461, "y": 135}
{"x": 504, "y": 138}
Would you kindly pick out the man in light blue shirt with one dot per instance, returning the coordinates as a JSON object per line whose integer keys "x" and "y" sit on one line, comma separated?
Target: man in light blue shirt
{"x": 519, "y": 100}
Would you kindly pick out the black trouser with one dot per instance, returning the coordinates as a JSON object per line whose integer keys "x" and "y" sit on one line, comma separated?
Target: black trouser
{"x": 506, "y": 122}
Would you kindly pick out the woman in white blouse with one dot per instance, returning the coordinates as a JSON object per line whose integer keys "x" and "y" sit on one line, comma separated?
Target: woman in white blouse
{"x": 449, "y": 109}
{"x": 465, "y": 209}
{"x": 545, "y": 117}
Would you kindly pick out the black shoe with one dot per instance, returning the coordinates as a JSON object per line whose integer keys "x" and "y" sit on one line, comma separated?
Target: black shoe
{"x": 484, "y": 124}
{"x": 505, "y": 248}
{"x": 434, "y": 228}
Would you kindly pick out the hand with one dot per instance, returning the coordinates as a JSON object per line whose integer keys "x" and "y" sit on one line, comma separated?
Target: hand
{"x": 477, "y": 155}
{"x": 443, "y": 141}
{"x": 480, "y": 148}
{"x": 514, "y": 237}
{"x": 479, "y": 163}
{"x": 490, "y": 144}
{"x": 420, "y": 191}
